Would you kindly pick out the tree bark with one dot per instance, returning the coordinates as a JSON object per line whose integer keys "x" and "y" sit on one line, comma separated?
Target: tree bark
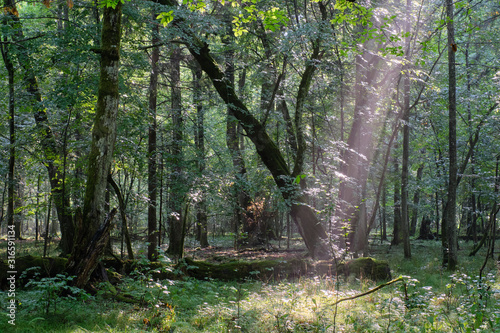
{"x": 405, "y": 232}
{"x": 396, "y": 235}
{"x": 123, "y": 215}
{"x": 11, "y": 181}
{"x": 177, "y": 187}
{"x": 201, "y": 205}
{"x": 450, "y": 255}
{"x": 82, "y": 262}
{"x": 416, "y": 200}
{"x": 152, "y": 153}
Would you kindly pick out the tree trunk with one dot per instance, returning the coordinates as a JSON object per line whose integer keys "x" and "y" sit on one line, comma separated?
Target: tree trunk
{"x": 11, "y": 182}
{"x": 123, "y": 215}
{"x": 244, "y": 219}
{"x": 357, "y": 156}
{"x": 93, "y": 227}
{"x": 405, "y": 232}
{"x": 450, "y": 256}
{"x": 47, "y": 139}
{"x": 396, "y": 236}
{"x": 416, "y": 200}
{"x": 201, "y": 205}
{"x": 265, "y": 147}
{"x": 177, "y": 186}
{"x": 152, "y": 154}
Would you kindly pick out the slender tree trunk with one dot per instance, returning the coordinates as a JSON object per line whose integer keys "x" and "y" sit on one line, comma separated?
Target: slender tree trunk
{"x": 94, "y": 227}
{"x": 123, "y": 215}
{"x": 177, "y": 188}
{"x": 152, "y": 153}
{"x": 201, "y": 205}
{"x": 406, "y": 140}
{"x": 244, "y": 219}
{"x": 384, "y": 213}
{"x": 416, "y": 200}
{"x": 450, "y": 252}
{"x": 396, "y": 235}
{"x": 11, "y": 181}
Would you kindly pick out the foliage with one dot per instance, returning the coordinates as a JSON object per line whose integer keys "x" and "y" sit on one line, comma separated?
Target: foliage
{"x": 51, "y": 291}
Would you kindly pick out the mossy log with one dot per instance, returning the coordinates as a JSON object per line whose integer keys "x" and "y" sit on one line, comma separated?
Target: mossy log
{"x": 369, "y": 268}
{"x": 48, "y": 267}
{"x": 266, "y": 270}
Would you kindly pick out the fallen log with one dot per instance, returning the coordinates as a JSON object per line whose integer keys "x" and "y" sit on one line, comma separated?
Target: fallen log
{"x": 266, "y": 270}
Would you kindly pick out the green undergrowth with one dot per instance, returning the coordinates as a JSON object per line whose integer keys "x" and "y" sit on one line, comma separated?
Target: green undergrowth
{"x": 429, "y": 299}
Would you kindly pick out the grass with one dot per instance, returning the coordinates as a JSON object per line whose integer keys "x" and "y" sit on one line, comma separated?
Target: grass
{"x": 433, "y": 301}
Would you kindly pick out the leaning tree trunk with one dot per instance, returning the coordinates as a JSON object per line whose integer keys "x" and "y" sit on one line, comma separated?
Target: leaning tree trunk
{"x": 47, "y": 139}
{"x": 314, "y": 233}
{"x": 92, "y": 231}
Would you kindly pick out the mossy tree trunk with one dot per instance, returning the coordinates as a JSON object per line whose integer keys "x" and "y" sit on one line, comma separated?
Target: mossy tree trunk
{"x": 101, "y": 153}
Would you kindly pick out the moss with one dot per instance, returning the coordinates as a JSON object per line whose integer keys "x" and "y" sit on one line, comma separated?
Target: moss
{"x": 48, "y": 267}
{"x": 240, "y": 270}
{"x": 368, "y": 268}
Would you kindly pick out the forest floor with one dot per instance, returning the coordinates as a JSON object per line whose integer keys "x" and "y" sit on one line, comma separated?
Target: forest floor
{"x": 427, "y": 299}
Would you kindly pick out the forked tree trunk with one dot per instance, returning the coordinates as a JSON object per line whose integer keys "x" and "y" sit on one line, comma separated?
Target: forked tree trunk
{"x": 122, "y": 205}
{"x": 95, "y": 226}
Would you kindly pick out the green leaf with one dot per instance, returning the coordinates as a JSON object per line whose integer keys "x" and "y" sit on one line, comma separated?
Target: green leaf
{"x": 166, "y": 18}
{"x": 299, "y": 178}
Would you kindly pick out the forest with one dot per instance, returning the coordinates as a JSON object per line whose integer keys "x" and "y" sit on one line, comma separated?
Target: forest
{"x": 249, "y": 166}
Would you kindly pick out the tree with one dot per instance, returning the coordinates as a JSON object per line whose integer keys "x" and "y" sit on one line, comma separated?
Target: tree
{"x": 9, "y": 66}
{"x": 48, "y": 142}
{"x": 177, "y": 225}
{"x": 405, "y": 232}
{"x": 85, "y": 257}
{"x": 201, "y": 204}
{"x": 152, "y": 153}
{"x": 450, "y": 230}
